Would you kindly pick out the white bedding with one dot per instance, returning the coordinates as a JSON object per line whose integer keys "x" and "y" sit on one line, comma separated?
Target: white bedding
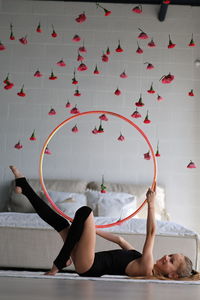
{"x": 136, "y": 226}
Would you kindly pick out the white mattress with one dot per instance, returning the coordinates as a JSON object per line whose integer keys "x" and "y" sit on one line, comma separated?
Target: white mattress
{"x": 136, "y": 226}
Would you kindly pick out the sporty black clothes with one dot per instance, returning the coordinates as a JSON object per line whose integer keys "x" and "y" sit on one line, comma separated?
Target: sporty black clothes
{"x": 113, "y": 262}
{"x": 42, "y": 209}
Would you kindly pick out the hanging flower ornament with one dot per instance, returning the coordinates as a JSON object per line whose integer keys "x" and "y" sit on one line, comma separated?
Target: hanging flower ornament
{"x": 23, "y": 40}
{"x": 103, "y": 117}
{"x": 82, "y": 48}
{"x": 119, "y": 48}
{"x": 146, "y": 120}
{"x": 136, "y": 114}
{"x": 147, "y": 155}
{"x": 80, "y": 57}
{"x": 8, "y": 85}
{"x": 167, "y": 78}
{"x": 151, "y": 44}
{"x": 12, "y": 37}
{"x": 159, "y": 98}
{"x": 106, "y": 11}
{"x": 171, "y": 45}
{"x": 75, "y": 110}
{"x": 104, "y": 58}
{"x": 192, "y": 43}
{"x": 142, "y": 35}
{"x": 121, "y": 138}
{"x": 75, "y": 129}
{"x": 77, "y": 93}
{"x": 139, "y": 103}
{"x": 95, "y": 131}
{"x": 139, "y": 50}
{"x": 39, "y": 29}
{"x": 76, "y": 38}
{"x": 191, "y": 165}
{"x": 74, "y": 80}
{"x": 123, "y": 75}
{"x": 61, "y": 63}
{"x": 137, "y": 9}
{"x": 117, "y": 92}
{"x": 18, "y": 146}
{"x": 108, "y": 51}
{"x": 2, "y": 47}
{"x": 96, "y": 70}
{"x": 149, "y": 66}
{"x": 191, "y": 93}
{"x": 32, "y": 137}
{"x": 52, "y": 76}
{"x": 68, "y": 104}
{"x": 82, "y": 67}
{"x": 151, "y": 90}
{"x": 100, "y": 129}
{"x": 21, "y": 93}
{"x": 103, "y": 187}
{"x": 37, "y": 74}
{"x": 52, "y": 112}
{"x": 47, "y": 151}
{"x": 53, "y": 34}
{"x": 81, "y": 18}
{"x": 157, "y": 154}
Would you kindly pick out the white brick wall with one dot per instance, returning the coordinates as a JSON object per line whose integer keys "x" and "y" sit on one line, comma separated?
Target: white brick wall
{"x": 174, "y": 120}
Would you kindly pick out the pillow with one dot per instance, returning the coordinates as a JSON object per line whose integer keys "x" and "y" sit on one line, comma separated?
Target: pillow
{"x": 99, "y": 201}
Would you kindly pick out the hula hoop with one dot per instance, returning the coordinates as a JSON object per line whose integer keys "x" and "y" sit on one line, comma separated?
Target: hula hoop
{"x": 153, "y": 186}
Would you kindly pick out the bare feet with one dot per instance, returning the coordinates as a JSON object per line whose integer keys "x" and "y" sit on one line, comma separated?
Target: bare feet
{"x": 17, "y": 174}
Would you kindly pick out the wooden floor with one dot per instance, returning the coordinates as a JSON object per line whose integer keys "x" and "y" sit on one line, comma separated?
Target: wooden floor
{"x": 54, "y": 289}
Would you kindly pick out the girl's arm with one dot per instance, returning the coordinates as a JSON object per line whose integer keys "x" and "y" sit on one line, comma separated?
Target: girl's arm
{"x": 115, "y": 239}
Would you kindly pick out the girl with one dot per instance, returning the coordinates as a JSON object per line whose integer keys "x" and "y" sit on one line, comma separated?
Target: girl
{"x": 79, "y": 243}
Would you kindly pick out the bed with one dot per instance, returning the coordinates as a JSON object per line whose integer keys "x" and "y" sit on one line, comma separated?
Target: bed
{"x": 28, "y": 242}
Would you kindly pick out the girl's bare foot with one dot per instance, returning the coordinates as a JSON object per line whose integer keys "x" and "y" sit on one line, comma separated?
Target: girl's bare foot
{"x": 17, "y": 174}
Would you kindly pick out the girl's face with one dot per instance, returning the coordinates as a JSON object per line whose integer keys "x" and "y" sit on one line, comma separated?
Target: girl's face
{"x": 168, "y": 265}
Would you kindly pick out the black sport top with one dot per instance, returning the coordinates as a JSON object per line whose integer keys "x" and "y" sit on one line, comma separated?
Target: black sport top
{"x": 112, "y": 262}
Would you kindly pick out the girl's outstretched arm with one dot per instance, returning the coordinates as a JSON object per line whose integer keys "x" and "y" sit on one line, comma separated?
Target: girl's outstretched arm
{"x": 114, "y": 238}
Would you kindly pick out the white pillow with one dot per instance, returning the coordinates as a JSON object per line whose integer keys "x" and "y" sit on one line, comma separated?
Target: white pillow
{"x": 108, "y": 201}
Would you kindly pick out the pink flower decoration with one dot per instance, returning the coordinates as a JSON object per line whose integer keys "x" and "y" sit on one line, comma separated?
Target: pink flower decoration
{"x": 2, "y": 47}
{"x": 106, "y": 11}
{"x": 146, "y": 120}
{"x": 167, "y": 78}
{"x": 123, "y": 75}
{"x": 52, "y": 76}
{"x": 81, "y": 18}
{"x": 151, "y": 44}
{"x": 54, "y": 34}
{"x": 32, "y": 137}
{"x": 147, "y": 155}
{"x": 80, "y": 57}
{"x": 103, "y": 117}
{"x": 171, "y": 45}
{"x": 12, "y": 38}
{"x": 23, "y": 40}
{"x": 119, "y": 49}
{"x": 105, "y": 58}
{"x": 191, "y": 93}
{"x": 95, "y": 131}
{"x": 74, "y": 110}
{"x": 139, "y": 50}
{"x": 136, "y": 114}
{"x": 75, "y": 129}
{"x": 137, "y": 9}
{"x": 77, "y": 93}
{"x": 142, "y": 35}
{"x": 37, "y": 74}
{"x": 82, "y": 67}
{"x": 52, "y": 112}
{"x": 21, "y": 93}
{"x": 47, "y": 151}
{"x": 100, "y": 129}
{"x": 61, "y": 63}
{"x": 76, "y": 38}
{"x": 108, "y": 51}
{"x": 151, "y": 90}
{"x": 96, "y": 71}
{"x": 192, "y": 43}
{"x": 191, "y": 165}
{"x": 121, "y": 138}
{"x": 139, "y": 103}
{"x": 18, "y": 146}
{"x": 74, "y": 81}
{"x": 38, "y": 29}
{"x": 159, "y": 98}
{"x": 117, "y": 92}
{"x": 149, "y": 66}
{"x": 9, "y": 85}
{"x": 68, "y": 104}
{"x": 82, "y": 49}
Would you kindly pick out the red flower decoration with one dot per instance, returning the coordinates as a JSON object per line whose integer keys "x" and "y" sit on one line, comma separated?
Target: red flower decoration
{"x": 95, "y": 131}
{"x": 100, "y": 129}
{"x": 52, "y": 76}
{"x": 103, "y": 117}
{"x": 146, "y": 120}
{"x": 81, "y": 18}
{"x": 171, "y": 45}
{"x": 151, "y": 90}
{"x": 157, "y": 154}
{"x": 139, "y": 103}
{"x": 38, "y": 29}
{"x": 61, "y": 63}
{"x": 123, "y": 75}
{"x": 82, "y": 67}
{"x": 75, "y": 129}
{"x": 147, "y": 155}
{"x": 191, "y": 165}
{"x": 80, "y": 57}
{"x": 47, "y": 151}
{"x": 139, "y": 50}
{"x": 151, "y": 44}
{"x": 167, "y": 78}
{"x": 82, "y": 49}
{"x": 159, "y": 98}
{"x": 108, "y": 51}
{"x": 137, "y": 9}
{"x": 52, "y": 112}
{"x": 9, "y": 85}
{"x": 103, "y": 187}
{"x": 106, "y": 11}
{"x": 18, "y": 146}
{"x": 105, "y": 58}
{"x": 12, "y": 38}
{"x": 117, "y": 92}
{"x": 142, "y": 35}
{"x": 23, "y": 40}
{"x": 68, "y": 104}
{"x": 192, "y": 43}
{"x": 76, "y": 38}
{"x": 96, "y": 71}
{"x": 191, "y": 93}
{"x": 2, "y": 47}
{"x": 121, "y": 138}
{"x": 32, "y": 137}
{"x": 119, "y": 49}
{"x": 21, "y": 93}
{"x": 74, "y": 81}
{"x": 77, "y": 93}
{"x": 149, "y": 66}
{"x": 136, "y": 114}
{"x": 54, "y": 34}
{"x": 74, "y": 110}
{"x": 37, "y": 74}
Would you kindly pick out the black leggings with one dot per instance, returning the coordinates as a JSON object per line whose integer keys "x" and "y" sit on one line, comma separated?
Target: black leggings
{"x": 56, "y": 221}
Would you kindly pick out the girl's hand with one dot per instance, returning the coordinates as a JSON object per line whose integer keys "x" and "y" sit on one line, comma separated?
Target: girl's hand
{"x": 150, "y": 196}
